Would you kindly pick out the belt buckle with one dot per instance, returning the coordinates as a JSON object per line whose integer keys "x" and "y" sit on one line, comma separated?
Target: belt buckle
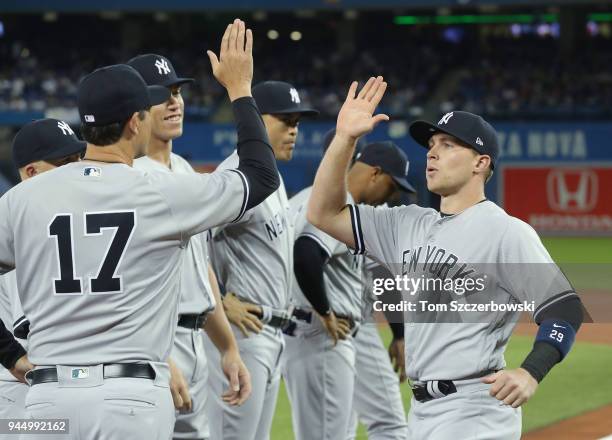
{"x": 201, "y": 320}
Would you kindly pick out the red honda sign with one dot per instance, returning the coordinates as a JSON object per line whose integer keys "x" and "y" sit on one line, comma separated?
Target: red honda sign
{"x": 559, "y": 199}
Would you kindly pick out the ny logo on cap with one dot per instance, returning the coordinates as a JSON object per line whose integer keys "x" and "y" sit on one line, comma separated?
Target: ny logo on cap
{"x": 66, "y": 130}
{"x": 294, "y": 95}
{"x": 445, "y": 118}
{"x": 90, "y": 118}
{"x": 479, "y": 141}
{"x": 162, "y": 66}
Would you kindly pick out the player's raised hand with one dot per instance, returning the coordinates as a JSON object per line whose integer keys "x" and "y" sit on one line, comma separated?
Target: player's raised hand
{"x": 356, "y": 117}
{"x": 234, "y": 66}
{"x": 239, "y": 379}
{"x": 513, "y": 387}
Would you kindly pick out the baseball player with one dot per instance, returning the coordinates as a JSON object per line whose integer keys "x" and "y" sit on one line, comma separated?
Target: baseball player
{"x": 254, "y": 258}
{"x": 197, "y": 303}
{"x": 319, "y": 360}
{"x": 39, "y": 146}
{"x": 98, "y": 270}
{"x": 456, "y": 367}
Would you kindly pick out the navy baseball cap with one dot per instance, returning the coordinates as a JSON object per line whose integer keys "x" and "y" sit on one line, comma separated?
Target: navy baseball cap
{"x": 467, "y": 127}
{"x": 278, "y": 97}
{"x": 113, "y": 93}
{"x": 391, "y": 160}
{"x": 157, "y": 70}
{"x": 45, "y": 139}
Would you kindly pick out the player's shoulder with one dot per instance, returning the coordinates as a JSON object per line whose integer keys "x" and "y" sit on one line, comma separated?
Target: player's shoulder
{"x": 180, "y": 164}
{"x": 301, "y": 197}
{"x": 512, "y": 226}
{"x": 409, "y": 212}
{"x": 230, "y": 161}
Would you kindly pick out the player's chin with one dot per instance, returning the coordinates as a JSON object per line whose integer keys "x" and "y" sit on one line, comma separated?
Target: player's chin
{"x": 286, "y": 155}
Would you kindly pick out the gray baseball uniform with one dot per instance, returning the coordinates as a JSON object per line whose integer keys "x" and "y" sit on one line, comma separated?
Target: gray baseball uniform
{"x": 377, "y": 400}
{"x": 320, "y": 376}
{"x": 196, "y": 297}
{"x": 12, "y": 392}
{"x": 482, "y": 241}
{"x": 98, "y": 249}
{"x": 254, "y": 259}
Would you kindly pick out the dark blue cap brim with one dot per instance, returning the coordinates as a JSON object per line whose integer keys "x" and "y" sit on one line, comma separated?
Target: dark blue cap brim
{"x": 158, "y": 94}
{"x": 301, "y": 110}
{"x": 178, "y": 82}
{"x": 404, "y": 184}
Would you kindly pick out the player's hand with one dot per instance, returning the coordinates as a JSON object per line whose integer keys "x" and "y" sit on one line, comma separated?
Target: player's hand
{"x": 179, "y": 388}
{"x": 396, "y": 354}
{"x": 234, "y": 67}
{"x": 21, "y": 367}
{"x": 336, "y": 328}
{"x": 238, "y": 377}
{"x": 513, "y": 387}
{"x": 242, "y": 314}
{"x": 356, "y": 115}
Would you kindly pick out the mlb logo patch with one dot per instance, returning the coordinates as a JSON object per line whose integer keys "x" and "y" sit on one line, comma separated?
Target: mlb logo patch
{"x": 90, "y": 118}
{"x": 80, "y": 373}
{"x": 92, "y": 172}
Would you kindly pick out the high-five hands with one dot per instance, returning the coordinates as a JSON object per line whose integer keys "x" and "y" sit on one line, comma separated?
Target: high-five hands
{"x": 234, "y": 66}
{"x": 356, "y": 117}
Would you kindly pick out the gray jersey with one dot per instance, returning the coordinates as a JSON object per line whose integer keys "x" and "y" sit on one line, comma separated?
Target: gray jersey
{"x": 254, "y": 256}
{"x": 98, "y": 250}
{"x": 11, "y": 314}
{"x": 342, "y": 272}
{"x": 196, "y": 293}
{"x": 416, "y": 241}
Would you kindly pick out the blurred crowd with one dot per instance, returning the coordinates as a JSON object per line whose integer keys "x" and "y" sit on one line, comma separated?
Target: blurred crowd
{"x": 501, "y": 78}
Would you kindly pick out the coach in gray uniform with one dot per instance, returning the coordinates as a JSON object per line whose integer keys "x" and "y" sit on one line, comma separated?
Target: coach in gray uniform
{"x": 98, "y": 247}
{"x": 456, "y": 366}
{"x": 197, "y": 304}
{"x": 39, "y": 146}
{"x": 319, "y": 361}
{"x": 254, "y": 259}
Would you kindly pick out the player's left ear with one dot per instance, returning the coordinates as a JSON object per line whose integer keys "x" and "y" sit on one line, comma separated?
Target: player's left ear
{"x": 482, "y": 164}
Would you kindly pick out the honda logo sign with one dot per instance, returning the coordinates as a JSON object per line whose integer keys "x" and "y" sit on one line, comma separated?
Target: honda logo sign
{"x": 572, "y": 190}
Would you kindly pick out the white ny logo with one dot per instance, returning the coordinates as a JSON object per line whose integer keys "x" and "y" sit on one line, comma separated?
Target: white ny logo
{"x": 162, "y": 66}
{"x": 66, "y": 130}
{"x": 445, "y": 118}
{"x": 294, "y": 95}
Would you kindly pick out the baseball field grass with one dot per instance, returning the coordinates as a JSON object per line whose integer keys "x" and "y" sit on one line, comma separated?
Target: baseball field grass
{"x": 580, "y": 383}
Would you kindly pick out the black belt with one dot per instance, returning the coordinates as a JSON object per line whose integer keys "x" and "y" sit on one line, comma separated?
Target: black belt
{"x": 111, "y": 371}
{"x": 192, "y": 321}
{"x": 433, "y": 390}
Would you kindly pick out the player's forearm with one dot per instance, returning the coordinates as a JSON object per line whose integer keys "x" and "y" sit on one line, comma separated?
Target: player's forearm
{"x": 308, "y": 262}
{"x": 256, "y": 158}
{"x": 10, "y": 349}
{"x": 217, "y": 326}
{"x": 328, "y": 196}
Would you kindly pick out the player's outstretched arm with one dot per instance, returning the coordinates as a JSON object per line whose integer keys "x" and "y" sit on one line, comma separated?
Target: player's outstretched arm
{"x": 327, "y": 205}
{"x": 234, "y": 70}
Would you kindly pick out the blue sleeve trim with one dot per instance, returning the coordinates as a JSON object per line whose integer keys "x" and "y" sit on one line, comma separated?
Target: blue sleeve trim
{"x": 558, "y": 333}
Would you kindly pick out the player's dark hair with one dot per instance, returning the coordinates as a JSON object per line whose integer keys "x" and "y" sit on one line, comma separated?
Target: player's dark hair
{"x": 106, "y": 134}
